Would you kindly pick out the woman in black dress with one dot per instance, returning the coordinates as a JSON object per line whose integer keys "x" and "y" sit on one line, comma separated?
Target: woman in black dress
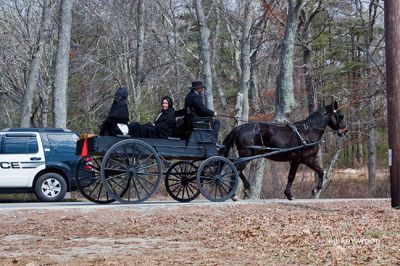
{"x": 165, "y": 124}
{"x": 118, "y": 114}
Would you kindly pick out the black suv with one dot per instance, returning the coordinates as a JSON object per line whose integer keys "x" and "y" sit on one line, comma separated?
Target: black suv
{"x": 38, "y": 160}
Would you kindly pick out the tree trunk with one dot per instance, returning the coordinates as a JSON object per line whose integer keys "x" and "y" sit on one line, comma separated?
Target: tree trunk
{"x": 205, "y": 53}
{"x": 371, "y": 147}
{"x": 256, "y": 178}
{"x": 284, "y": 84}
{"x": 214, "y": 60}
{"x": 234, "y": 41}
{"x": 306, "y": 20}
{"x": 242, "y": 111}
{"x": 371, "y": 143}
{"x": 254, "y": 81}
{"x": 139, "y": 55}
{"x": 33, "y": 76}
{"x": 359, "y": 150}
{"x": 60, "y": 85}
{"x": 331, "y": 166}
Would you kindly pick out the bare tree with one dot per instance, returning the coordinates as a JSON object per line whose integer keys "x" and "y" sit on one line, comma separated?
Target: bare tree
{"x": 34, "y": 69}
{"x": 371, "y": 146}
{"x": 60, "y": 85}
{"x": 205, "y": 53}
{"x": 306, "y": 20}
{"x": 285, "y": 101}
{"x": 139, "y": 53}
{"x": 214, "y": 58}
{"x": 242, "y": 100}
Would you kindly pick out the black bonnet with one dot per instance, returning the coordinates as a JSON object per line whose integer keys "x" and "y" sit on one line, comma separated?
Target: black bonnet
{"x": 169, "y": 100}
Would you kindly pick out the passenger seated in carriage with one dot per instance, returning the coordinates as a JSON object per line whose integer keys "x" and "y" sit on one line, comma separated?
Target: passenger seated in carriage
{"x": 164, "y": 126}
{"x": 197, "y": 110}
{"x": 118, "y": 116}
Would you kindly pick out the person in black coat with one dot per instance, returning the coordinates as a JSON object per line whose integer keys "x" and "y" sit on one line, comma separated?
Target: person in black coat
{"x": 165, "y": 124}
{"x": 194, "y": 102}
{"x": 118, "y": 114}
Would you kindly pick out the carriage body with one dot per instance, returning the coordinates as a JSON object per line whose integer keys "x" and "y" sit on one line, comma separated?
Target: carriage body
{"x": 199, "y": 146}
{"x": 130, "y": 170}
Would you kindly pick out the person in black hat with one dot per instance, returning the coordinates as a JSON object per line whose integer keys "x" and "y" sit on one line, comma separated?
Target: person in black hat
{"x": 194, "y": 102}
{"x": 165, "y": 124}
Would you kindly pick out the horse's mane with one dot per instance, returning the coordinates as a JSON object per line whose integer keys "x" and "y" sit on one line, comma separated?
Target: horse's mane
{"x": 315, "y": 116}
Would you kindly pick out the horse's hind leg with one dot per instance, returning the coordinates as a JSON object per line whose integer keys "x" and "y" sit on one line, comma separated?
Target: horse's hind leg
{"x": 314, "y": 165}
{"x": 292, "y": 174}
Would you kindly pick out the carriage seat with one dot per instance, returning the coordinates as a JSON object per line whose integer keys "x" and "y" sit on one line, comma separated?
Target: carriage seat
{"x": 186, "y": 122}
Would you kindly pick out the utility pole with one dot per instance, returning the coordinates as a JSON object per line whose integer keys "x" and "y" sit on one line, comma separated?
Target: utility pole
{"x": 392, "y": 52}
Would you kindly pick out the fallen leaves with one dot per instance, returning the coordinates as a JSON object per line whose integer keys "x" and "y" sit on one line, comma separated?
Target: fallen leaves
{"x": 364, "y": 232}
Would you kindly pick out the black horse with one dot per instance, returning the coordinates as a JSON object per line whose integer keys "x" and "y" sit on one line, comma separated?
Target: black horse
{"x": 272, "y": 137}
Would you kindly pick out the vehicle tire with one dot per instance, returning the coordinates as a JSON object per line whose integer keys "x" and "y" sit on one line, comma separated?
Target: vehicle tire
{"x": 131, "y": 171}
{"x": 217, "y": 179}
{"x": 50, "y": 187}
{"x": 181, "y": 182}
{"x": 89, "y": 182}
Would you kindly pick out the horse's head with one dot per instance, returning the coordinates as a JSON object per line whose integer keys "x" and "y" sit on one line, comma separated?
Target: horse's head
{"x": 336, "y": 119}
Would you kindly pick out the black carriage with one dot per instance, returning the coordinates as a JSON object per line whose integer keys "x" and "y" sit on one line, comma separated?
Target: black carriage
{"x": 130, "y": 170}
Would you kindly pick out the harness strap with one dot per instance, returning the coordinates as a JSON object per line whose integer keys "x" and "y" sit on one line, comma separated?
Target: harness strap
{"x": 259, "y": 133}
{"x": 294, "y": 128}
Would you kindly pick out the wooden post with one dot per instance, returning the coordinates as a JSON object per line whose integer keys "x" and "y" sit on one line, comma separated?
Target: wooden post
{"x": 392, "y": 40}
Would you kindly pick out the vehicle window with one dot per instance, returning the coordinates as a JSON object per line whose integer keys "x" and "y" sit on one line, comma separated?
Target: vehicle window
{"x": 19, "y": 144}
{"x": 62, "y": 143}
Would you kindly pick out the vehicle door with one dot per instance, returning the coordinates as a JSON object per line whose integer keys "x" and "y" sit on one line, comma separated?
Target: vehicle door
{"x": 21, "y": 158}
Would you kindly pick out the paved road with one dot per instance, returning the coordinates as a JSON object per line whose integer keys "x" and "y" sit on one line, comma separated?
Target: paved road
{"x": 157, "y": 204}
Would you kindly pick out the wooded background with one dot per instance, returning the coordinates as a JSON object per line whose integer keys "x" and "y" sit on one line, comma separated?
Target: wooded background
{"x": 260, "y": 60}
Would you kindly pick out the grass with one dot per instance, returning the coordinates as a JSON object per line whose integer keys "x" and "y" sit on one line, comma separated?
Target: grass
{"x": 345, "y": 183}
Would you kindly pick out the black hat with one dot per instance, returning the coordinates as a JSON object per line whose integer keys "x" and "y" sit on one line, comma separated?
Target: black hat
{"x": 196, "y": 84}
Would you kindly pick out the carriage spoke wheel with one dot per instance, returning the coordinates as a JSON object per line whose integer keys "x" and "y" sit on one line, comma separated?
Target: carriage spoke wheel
{"x": 89, "y": 181}
{"x": 217, "y": 178}
{"x": 131, "y": 171}
{"x": 180, "y": 181}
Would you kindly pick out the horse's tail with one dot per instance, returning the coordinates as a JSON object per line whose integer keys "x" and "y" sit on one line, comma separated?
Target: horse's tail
{"x": 228, "y": 142}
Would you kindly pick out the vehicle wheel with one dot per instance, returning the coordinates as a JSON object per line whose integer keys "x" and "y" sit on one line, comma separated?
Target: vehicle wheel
{"x": 180, "y": 181}
{"x": 88, "y": 180}
{"x": 131, "y": 171}
{"x": 217, "y": 178}
{"x": 50, "y": 187}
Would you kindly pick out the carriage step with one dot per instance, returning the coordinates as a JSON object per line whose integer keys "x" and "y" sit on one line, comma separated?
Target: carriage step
{"x": 204, "y": 142}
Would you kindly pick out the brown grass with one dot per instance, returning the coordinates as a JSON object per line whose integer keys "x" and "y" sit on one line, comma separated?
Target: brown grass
{"x": 345, "y": 183}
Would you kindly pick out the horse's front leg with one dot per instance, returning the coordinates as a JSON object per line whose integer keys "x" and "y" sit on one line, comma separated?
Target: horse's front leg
{"x": 292, "y": 174}
{"x": 314, "y": 165}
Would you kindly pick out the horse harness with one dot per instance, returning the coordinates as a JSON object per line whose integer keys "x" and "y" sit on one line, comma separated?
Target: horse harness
{"x": 294, "y": 129}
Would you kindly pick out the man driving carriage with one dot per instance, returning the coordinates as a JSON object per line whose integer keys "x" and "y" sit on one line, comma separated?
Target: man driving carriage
{"x": 196, "y": 108}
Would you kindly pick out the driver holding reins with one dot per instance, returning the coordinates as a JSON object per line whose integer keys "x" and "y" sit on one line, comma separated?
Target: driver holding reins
{"x": 194, "y": 102}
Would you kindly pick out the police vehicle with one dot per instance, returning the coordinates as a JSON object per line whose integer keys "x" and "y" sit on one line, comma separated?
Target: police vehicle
{"x": 38, "y": 160}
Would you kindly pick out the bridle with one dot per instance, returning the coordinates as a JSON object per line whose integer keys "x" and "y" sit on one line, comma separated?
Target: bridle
{"x": 340, "y": 131}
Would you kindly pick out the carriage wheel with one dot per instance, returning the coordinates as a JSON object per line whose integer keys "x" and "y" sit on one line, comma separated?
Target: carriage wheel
{"x": 131, "y": 171}
{"x": 217, "y": 178}
{"x": 180, "y": 181}
{"x": 89, "y": 181}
